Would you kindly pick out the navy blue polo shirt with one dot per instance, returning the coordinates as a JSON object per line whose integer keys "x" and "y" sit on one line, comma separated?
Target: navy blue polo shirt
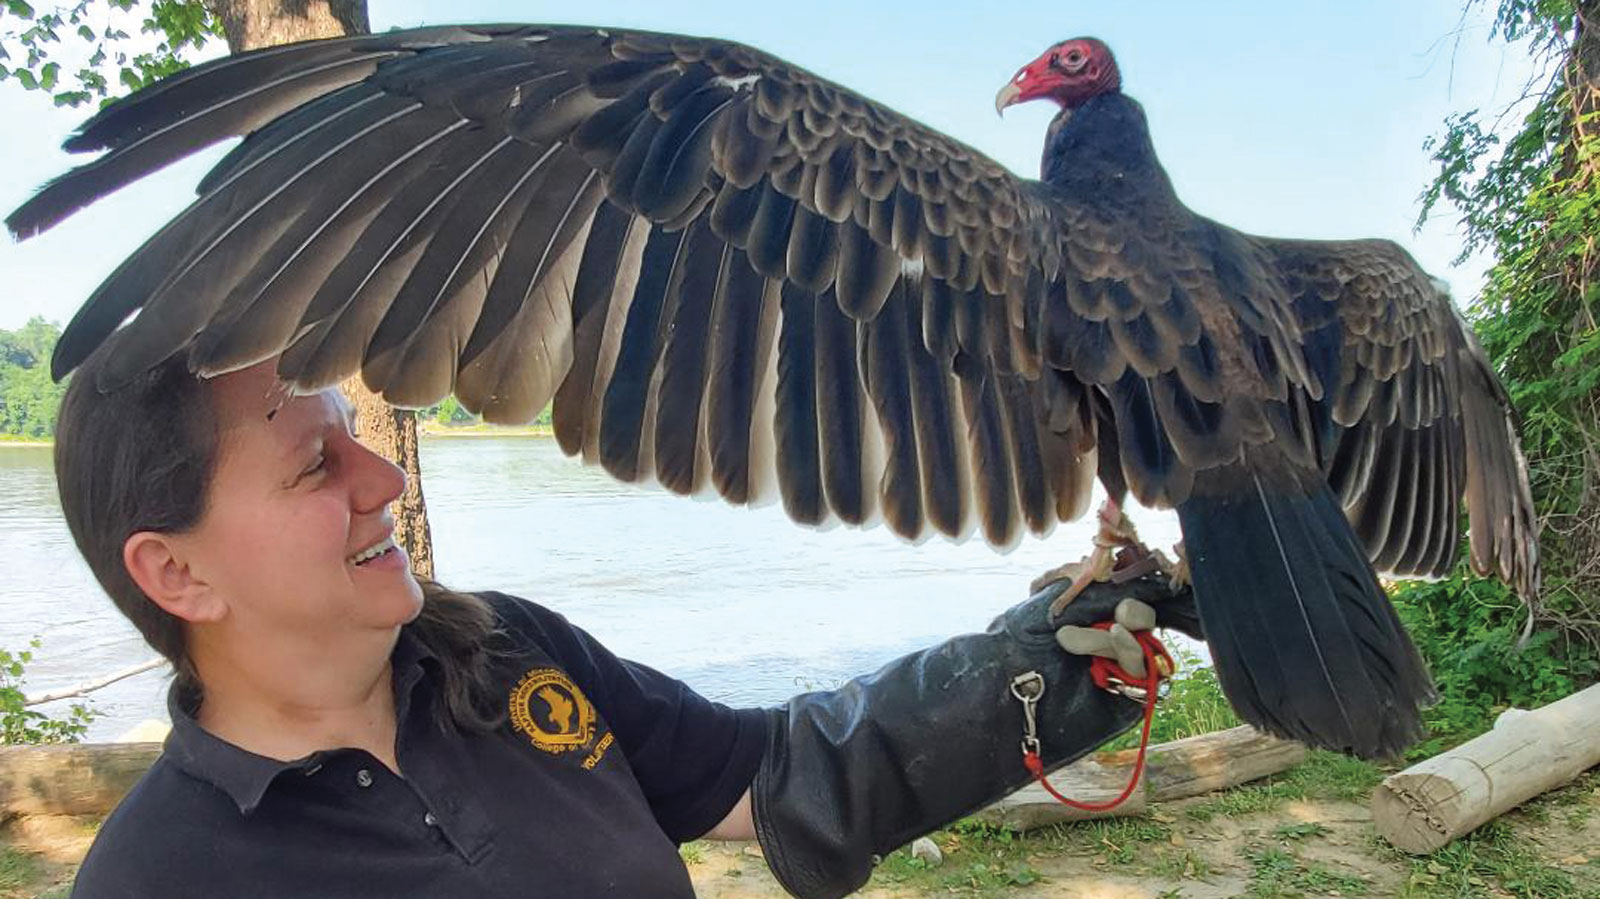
{"x": 602, "y": 767}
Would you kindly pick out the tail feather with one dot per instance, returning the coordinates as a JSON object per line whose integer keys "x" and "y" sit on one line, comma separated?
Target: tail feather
{"x": 1306, "y": 644}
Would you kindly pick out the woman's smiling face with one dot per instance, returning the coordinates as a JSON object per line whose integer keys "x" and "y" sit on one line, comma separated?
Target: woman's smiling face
{"x": 296, "y": 533}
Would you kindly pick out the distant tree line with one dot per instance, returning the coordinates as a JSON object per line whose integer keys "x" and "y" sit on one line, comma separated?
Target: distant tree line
{"x": 28, "y": 398}
{"x": 449, "y": 413}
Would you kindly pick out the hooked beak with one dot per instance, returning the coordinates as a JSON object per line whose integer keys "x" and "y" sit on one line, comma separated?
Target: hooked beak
{"x": 1010, "y": 94}
{"x": 1032, "y": 82}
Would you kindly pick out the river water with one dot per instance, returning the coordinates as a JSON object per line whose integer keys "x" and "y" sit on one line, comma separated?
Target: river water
{"x": 744, "y": 605}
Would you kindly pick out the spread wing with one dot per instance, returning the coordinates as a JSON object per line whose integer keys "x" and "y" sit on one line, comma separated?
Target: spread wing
{"x": 727, "y": 272}
{"x": 1413, "y": 418}
{"x": 729, "y": 275}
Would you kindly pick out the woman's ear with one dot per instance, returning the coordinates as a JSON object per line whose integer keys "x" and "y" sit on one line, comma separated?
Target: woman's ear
{"x": 156, "y": 563}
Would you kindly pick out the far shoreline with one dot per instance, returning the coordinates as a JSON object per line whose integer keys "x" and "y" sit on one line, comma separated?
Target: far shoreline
{"x": 430, "y": 429}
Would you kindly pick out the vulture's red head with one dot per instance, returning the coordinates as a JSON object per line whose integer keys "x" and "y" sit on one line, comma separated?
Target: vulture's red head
{"x": 1069, "y": 73}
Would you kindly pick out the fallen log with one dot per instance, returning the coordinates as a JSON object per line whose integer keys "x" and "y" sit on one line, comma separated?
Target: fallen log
{"x": 70, "y": 779}
{"x": 1176, "y": 770}
{"x": 1526, "y": 754}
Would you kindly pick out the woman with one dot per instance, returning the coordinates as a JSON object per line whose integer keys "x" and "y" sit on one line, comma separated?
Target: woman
{"x": 340, "y": 729}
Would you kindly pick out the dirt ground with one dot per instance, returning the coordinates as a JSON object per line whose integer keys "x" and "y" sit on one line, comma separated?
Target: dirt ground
{"x": 1301, "y": 849}
{"x": 1205, "y": 848}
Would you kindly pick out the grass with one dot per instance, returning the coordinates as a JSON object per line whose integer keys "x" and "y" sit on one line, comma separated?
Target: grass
{"x": 693, "y": 852}
{"x": 1495, "y": 862}
{"x": 1277, "y": 871}
{"x": 1323, "y": 775}
{"x": 1297, "y": 832}
{"x": 1193, "y": 705}
{"x": 17, "y": 869}
{"x": 1180, "y": 865}
{"x": 985, "y": 860}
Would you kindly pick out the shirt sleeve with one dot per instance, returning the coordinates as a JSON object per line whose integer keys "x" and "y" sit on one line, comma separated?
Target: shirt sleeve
{"x": 693, "y": 758}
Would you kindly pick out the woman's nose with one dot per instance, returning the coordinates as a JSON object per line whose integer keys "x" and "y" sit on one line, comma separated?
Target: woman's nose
{"x": 378, "y": 481}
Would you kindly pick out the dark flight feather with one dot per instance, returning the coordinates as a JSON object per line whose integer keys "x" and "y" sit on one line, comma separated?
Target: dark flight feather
{"x": 991, "y": 460}
{"x": 795, "y": 419}
{"x": 886, "y": 372}
{"x": 840, "y": 412}
{"x": 736, "y": 315}
{"x": 623, "y": 415}
{"x": 592, "y": 291}
{"x": 681, "y": 394}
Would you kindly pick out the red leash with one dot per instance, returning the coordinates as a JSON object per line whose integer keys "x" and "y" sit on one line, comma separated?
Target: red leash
{"x": 1108, "y": 675}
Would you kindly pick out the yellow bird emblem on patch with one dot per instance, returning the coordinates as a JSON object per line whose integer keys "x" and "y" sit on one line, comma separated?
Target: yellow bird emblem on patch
{"x": 553, "y": 713}
{"x": 560, "y": 709}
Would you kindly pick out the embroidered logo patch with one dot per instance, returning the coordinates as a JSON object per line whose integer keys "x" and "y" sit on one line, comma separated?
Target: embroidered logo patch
{"x": 550, "y": 709}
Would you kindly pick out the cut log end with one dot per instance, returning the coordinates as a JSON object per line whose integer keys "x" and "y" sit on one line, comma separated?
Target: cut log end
{"x": 1527, "y": 754}
{"x": 1414, "y": 812}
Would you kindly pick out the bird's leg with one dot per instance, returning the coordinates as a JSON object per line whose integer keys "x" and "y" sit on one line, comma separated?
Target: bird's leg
{"x": 1118, "y": 555}
{"x": 1115, "y": 531}
{"x": 1177, "y": 572}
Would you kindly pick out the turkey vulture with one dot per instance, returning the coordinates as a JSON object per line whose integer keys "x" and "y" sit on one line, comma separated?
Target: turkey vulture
{"x": 732, "y": 275}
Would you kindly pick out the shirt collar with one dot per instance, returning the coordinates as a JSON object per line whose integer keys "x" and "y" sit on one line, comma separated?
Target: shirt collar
{"x": 244, "y": 775}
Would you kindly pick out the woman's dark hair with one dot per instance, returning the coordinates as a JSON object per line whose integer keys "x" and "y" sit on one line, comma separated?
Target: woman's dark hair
{"x": 141, "y": 458}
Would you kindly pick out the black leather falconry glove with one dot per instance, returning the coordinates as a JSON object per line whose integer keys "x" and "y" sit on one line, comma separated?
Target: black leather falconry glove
{"x": 852, "y": 774}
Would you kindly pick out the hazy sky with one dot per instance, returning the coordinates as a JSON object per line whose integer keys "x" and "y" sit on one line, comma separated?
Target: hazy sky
{"x": 1289, "y": 119}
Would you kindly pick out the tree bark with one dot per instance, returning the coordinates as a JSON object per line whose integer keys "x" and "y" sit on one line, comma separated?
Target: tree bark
{"x": 250, "y": 24}
{"x": 391, "y": 432}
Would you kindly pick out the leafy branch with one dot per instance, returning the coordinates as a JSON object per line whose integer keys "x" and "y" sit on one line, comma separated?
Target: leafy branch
{"x": 76, "y": 53}
{"x": 21, "y": 725}
{"x": 1531, "y": 195}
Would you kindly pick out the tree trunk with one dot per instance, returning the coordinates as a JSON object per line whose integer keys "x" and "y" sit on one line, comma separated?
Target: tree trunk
{"x": 251, "y": 24}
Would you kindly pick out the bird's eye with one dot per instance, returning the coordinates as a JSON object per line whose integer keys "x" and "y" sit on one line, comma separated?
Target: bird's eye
{"x": 1074, "y": 59}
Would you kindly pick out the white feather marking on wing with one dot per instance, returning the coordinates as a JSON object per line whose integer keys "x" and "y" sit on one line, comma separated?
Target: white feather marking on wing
{"x": 763, "y": 483}
{"x": 740, "y": 83}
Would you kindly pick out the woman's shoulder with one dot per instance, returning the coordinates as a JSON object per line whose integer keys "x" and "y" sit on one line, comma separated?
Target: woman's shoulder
{"x": 149, "y": 841}
{"x": 525, "y": 618}
{"x": 532, "y": 630}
